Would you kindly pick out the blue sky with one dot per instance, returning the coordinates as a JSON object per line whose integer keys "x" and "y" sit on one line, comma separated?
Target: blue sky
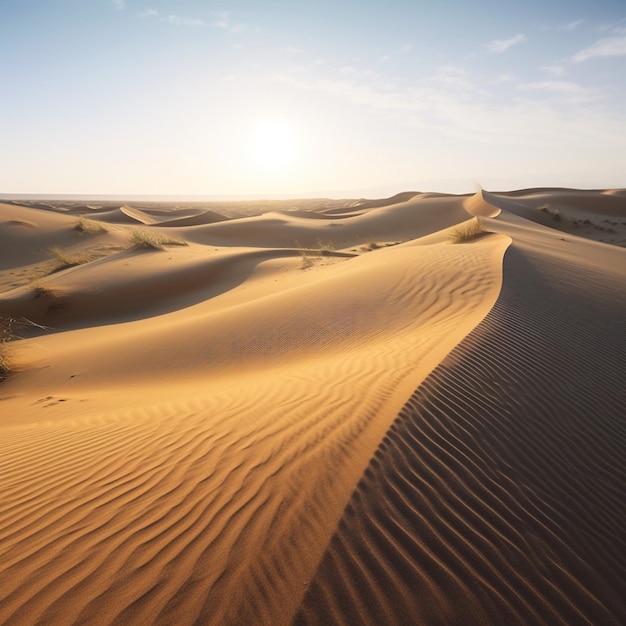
{"x": 272, "y": 97}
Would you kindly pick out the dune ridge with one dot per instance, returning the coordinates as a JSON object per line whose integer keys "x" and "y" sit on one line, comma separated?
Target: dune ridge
{"x": 496, "y": 496}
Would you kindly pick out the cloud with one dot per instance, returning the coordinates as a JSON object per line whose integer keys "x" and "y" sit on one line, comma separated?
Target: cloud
{"x": 225, "y": 23}
{"x": 552, "y": 108}
{"x": 453, "y": 77}
{"x": 572, "y": 25}
{"x": 555, "y": 70}
{"x": 182, "y": 21}
{"x": 500, "y": 45}
{"x": 607, "y": 47}
{"x": 173, "y": 19}
{"x": 120, "y": 5}
{"x": 571, "y": 92}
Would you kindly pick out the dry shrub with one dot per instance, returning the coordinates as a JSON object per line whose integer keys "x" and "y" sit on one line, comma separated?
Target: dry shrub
{"x": 467, "y": 232}
{"x": 155, "y": 240}
{"x": 86, "y": 225}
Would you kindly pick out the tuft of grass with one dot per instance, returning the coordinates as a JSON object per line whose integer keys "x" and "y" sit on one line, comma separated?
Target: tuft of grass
{"x": 154, "y": 240}
{"x": 468, "y": 232}
{"x": 325, "y": 247}
{"x": 555, "y": 214}
{"x": 8, "y": 332}
{"x": 86, "y": 225}
{"x": 306, "y": 260}
{"x": 304, "y": 253}
{"x": 63, "y": 259}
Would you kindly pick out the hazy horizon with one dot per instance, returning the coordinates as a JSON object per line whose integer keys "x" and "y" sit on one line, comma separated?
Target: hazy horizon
{"x": 242, "y": 99}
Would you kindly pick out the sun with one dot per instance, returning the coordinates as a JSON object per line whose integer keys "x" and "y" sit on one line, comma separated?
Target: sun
{"x": 273, "y": 145}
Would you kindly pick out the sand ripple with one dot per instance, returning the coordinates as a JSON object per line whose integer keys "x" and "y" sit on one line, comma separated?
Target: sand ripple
{"x": 211, "y": 501}
{"x": 497, "y": 495}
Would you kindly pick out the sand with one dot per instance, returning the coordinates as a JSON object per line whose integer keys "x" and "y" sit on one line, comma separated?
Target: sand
{"x": 326, "y": 412}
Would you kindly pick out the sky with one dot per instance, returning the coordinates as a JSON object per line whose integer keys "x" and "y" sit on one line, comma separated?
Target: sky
{"x": 343, "y": 98}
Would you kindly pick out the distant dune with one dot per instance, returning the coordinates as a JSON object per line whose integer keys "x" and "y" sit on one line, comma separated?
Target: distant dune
{"x": 397, "y": 411}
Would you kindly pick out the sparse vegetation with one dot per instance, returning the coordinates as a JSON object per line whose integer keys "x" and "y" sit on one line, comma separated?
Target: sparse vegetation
{"x": 6, "y": 335}
{"x": 8, "y": 332}
{"x": 64, "y": 260}
{"x": 86, "y": 225}
{"x": 371, "y": 244}
{"x": 9, "y": 329}
{"x": 155, "y": 240}
{"x": 306, "y": 260}
{"x": 325, "y": 247}
{"x": 555, "y": 214}
{"x": 55, "y": 302}
{"x": 467, "y": 232}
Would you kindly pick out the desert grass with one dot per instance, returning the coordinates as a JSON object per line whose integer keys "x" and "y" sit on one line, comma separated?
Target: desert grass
{"x": 555, "y": 214}
{"x": 6, "y": 334}
{"x": 468, "y": 232}
{"x": 9, "y": 327}
{"x": 325, "y": 247}
{"x": 63, "y": 259}
{"x": 306, "y": 260}
{"x": 154, "y": 240}
{"x": 86, "y": 225}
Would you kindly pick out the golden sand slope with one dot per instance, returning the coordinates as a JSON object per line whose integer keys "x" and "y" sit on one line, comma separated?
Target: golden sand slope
{"x": 192, "y": 466}
{"x": 181, "y": 445}
{"x": 497, "y": 495}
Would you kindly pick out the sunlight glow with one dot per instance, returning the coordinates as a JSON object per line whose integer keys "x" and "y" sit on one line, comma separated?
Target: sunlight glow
{"x": 273, "y": 145}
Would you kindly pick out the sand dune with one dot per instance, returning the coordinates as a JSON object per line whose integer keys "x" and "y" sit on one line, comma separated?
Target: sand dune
{"x": 316, "y": 416}
{"x": 497, "y": 494}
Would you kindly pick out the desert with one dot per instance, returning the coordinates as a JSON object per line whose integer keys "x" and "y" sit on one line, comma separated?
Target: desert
{"x": 405, "y": 410}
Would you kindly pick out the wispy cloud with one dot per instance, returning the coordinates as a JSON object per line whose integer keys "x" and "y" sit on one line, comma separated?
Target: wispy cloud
{"x": 405, "y": 48}
{"x": 607, "y": 47}
{"x": 571, "y": 25}
{"x": 182, "y": 21}
{"x": 452, "y": 104}
{"x": 452, "y": 77}
{"x": 571, "y": 92}
{"x": 173, "y": 19}
{"x": 554, "y": 70}
{"x": 500, "y": 45}
{"x": 120, "y": 5}
{"x": 225, "y": 23}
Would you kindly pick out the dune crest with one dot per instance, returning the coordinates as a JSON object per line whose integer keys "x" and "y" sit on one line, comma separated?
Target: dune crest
{"x": 481, "y": 205}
